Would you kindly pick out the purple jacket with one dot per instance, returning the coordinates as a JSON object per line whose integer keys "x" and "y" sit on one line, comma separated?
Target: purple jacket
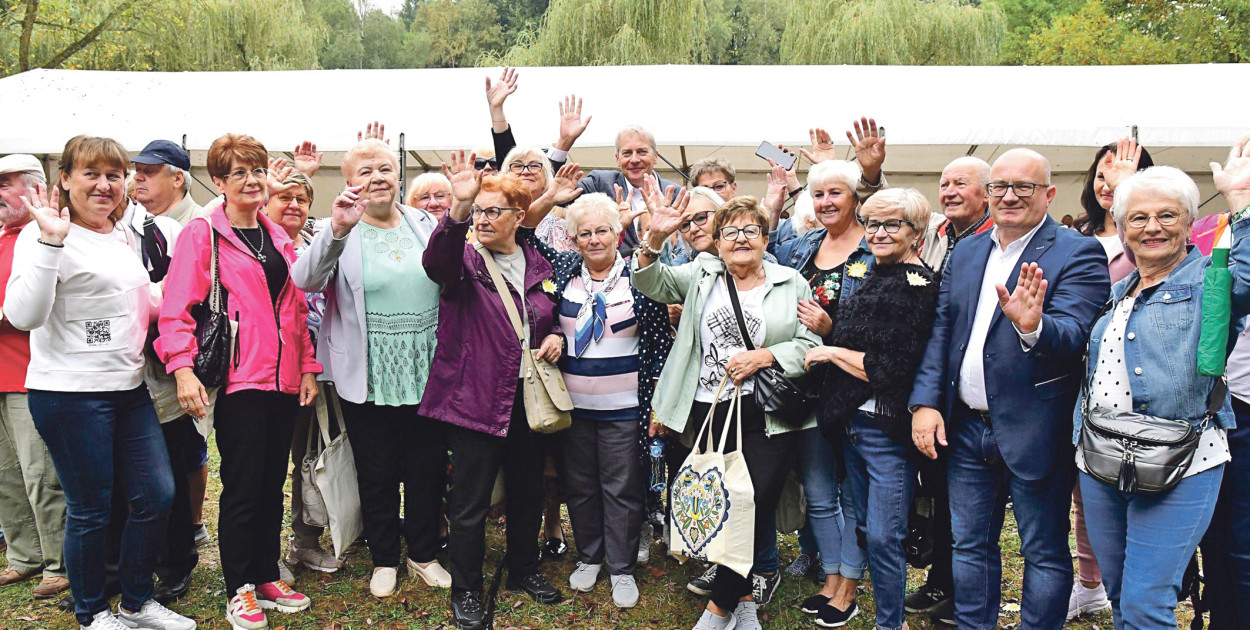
{"x": 474, "y": 374}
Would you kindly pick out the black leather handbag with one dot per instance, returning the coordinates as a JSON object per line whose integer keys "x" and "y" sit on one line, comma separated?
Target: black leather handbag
{"x": 790, "y": 400}
{"x": 215, "y": 334}
{"x": 1138, "y": 453}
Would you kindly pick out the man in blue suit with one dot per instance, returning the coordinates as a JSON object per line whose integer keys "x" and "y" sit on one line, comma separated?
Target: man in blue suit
{"x": 997, "y": 386}
{"x": 636, "y": 156}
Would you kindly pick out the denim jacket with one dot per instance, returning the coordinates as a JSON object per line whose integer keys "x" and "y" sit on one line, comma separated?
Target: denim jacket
{"x": 794, "y": 251}
{"x": 1161, "y": 337}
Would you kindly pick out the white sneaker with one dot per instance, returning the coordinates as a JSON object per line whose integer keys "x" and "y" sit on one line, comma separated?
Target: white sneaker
{"x": 747, "y": 616}
{"x": 644, "y": 543}
{"x": 711, "y": 621}
{"x": 433, "y": 573}
{"x": 382, "y": 584}
{"x": 103, "y": 620}
{"x": 624, "y": 591}
{"x": 243, "y": 612}
{"x": 1084, "y": 601}
{"x": 154, "y": 616}
{"x": 584, "y": 577}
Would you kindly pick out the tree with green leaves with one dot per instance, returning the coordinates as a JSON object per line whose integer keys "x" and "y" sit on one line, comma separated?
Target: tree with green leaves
{"x": 1091, "y": 37}
{"x": 457, "y": 33}
{"x": 62, "y": 33}
{"x": 892, "y": 32}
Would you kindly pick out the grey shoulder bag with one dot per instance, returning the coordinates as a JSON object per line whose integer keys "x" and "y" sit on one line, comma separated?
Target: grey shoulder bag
{"x": 1135, "y": 452}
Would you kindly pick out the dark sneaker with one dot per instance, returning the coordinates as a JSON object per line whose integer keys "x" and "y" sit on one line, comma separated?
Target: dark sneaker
{"x": 553, "y": 548}
{"x": 803, "y": 565}
{"x": 925, "y": 600}
{"x": 468, "y": 611}
{"x": 944, "y": 613}
{"x": 813, "y": 604}
{"x": 536, "y": 586}
{"x": 830, "y": 617}
{"x": 702, "y": 585}
{"x": 764, "y": 586}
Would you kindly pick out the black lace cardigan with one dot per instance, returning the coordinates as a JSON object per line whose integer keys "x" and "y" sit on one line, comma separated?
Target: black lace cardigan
{"x": 888, "y": 319}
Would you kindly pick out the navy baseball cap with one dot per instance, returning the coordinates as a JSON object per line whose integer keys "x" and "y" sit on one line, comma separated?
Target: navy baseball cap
{"x": 164, "y": 152}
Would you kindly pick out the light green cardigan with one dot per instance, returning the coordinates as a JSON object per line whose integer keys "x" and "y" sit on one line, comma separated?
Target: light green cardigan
{"x": 690, "y": 284}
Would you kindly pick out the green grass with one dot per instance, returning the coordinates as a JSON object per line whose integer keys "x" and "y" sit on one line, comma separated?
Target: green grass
{"x": 342, "y": 600}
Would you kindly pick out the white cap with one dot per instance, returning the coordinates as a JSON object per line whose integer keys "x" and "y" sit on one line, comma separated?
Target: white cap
{"x": 20, "y": 163}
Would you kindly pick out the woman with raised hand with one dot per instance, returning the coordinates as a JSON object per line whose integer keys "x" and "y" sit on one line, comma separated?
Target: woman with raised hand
{"x": 376, "y": 342}
{"x": 272, "y": 372}
{"x": 873, "y": 353}
{"x": 709, "y": 345}
{"x": 79, "y": 284}
{"x": 474, "y": 384}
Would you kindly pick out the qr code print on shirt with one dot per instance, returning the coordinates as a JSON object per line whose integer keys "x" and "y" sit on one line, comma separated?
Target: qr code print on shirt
{"x": 99, "y": 332}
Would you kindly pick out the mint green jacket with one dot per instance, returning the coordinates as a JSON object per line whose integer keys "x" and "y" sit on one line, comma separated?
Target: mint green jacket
{"x": 690, "y": 285}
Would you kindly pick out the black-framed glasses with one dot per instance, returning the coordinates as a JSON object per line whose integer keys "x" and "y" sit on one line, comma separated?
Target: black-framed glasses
{"x": 699, "y": 218}
{"x": 492, "y": 212}
{"x": 599, "y": 233}
{"x": 731, "y": 233}
{"x": 259, "y": 173}
{"x": 1167, "y": 218}
{"x": 481, "y": 163}
{"x": 891, "y": 226}
{"x": 1022, "y": 189}
{"x": 532, "y": 167}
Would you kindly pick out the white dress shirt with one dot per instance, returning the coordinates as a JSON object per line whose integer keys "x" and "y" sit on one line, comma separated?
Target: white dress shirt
{"x": 1002, "y": 265}
{"x": 637, "y": 204}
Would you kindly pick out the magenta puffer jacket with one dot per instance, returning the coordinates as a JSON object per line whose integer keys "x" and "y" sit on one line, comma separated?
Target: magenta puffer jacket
{"x": 273, "y": 349}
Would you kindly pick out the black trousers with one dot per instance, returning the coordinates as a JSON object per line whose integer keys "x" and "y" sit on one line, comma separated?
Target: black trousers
{"x": 933, "y": 478}
{"x": 179, "y": 556}
{"x": 253, "y": 430}
{"x": 393, "y": 446}
{"x": 768, "y": 460}
{"x": 475, "y": 461}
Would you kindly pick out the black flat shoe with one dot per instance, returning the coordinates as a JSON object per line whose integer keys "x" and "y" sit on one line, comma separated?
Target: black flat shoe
{"x": 467, "y": 610}
{"x": 169, "y": 591}
{"x": 536, "y": 586}
{"x": 830, "y": 617}
{"x": 554, "y": 548}
{"x": 813, "y": 604}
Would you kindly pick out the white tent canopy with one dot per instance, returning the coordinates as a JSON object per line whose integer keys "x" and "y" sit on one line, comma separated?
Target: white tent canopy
{"x": 1187, "y": 115}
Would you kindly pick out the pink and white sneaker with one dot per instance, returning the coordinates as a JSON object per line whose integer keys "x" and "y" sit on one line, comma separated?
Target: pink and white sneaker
{"x": 279, "y": 596}
{"x": 243, "y": 612}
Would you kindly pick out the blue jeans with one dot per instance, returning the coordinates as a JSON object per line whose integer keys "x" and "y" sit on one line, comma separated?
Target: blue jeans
{"x": 1226, "y": 546}
{"x": 93, "y": 437}
{"x": 880, "y": 480}
{"x": 979, "y": 483}
{"x": 1143, "y": 544}
{"x": 830, "y": 513}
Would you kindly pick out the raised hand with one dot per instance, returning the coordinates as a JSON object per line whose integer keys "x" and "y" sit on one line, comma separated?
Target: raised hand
{"x": 669, "y": 215}
{"x": 869, "y": 148}
{"x": 822, "y": 147}
{"x": 1118, "y": 165}
{"x": 278, "y": 172}
{"x": 466, "y": 181}
{"x": 571, "y": 123}
{"x": 1233, "y": 179}
{"x": 1023, "y": 306}
{"x": 625, "y": 205}
{"x": 563, "y": 187}
{"x": 775, "y": 197}
{"x": 307, "y": 160}
{"x": 53, "y": 224}
{"x": 348, "y": 208}
{"x": 375, "y": 131}
{"x": 497, "y": 93}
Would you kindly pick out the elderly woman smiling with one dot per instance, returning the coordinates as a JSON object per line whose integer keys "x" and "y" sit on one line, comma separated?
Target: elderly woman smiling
{"x": 1143, "y": 356}
{"x": 709, "y": 345}
{"x": 875, "y": 348}
{"x": 617, "y": 339}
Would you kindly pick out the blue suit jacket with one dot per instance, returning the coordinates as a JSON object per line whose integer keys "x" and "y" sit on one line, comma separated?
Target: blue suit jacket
{"x": 1030, "y": 394}
{"x": 601, "y": 181}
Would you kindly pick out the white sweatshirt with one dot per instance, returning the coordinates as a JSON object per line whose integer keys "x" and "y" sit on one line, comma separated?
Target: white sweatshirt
{"x": 87, "y": 305}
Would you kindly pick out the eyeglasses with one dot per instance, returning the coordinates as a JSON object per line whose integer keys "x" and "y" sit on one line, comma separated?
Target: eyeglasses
{"x": 891, "y": 226}
{"x": 532, "y": 167}
{"x": 492, "y": 212}
{"x": 482, "y": 163}
{"x": 1166, "y": 218}
{"x": 599, "y": 233}
{"x": 428, "y": 197}
{"x": 241, "y": 174}
{"x": 287, "y": 198}
{"x": 721, "y": 186}
{"x": 699, "y": 219}
{"x": 751, "y": 232}
{"x": 1022, "y": 189}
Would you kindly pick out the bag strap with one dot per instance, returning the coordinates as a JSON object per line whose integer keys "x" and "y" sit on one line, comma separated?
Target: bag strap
{"x": 707, "y": 421}
{"x": 1088, "y": 379}
{"x": 504, "y": 294}
{"x": 735, "y": 413}
{"x": 742, "y": 325}
{"x": 155, "y": 250}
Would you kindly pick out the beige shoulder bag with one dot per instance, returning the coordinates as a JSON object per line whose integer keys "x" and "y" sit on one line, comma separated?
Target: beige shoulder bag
{"x": 547, "y": 401}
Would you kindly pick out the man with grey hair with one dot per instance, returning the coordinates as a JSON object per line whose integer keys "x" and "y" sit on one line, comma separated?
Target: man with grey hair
{"x": 965, "y": 206}
{"x": 635, "y": 156}
{"x": 163, "y": 182}
{"x": 32, "y": 506}
{"x": 999, "y": 378}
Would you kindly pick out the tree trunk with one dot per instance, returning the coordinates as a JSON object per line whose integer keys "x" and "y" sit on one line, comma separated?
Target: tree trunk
{"x": 28, "y": 25}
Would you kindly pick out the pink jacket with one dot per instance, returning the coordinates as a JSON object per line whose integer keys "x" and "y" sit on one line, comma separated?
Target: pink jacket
{"x": 273, "y": 347}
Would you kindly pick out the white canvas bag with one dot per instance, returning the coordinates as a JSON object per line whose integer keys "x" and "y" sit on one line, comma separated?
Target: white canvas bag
{"x": 331, "y": 493}
{"x": 713, "y": 504}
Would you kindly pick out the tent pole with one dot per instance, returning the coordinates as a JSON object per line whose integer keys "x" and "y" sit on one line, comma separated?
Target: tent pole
{"x": 403, "y": 168}
{"x": 211, "y": 191}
